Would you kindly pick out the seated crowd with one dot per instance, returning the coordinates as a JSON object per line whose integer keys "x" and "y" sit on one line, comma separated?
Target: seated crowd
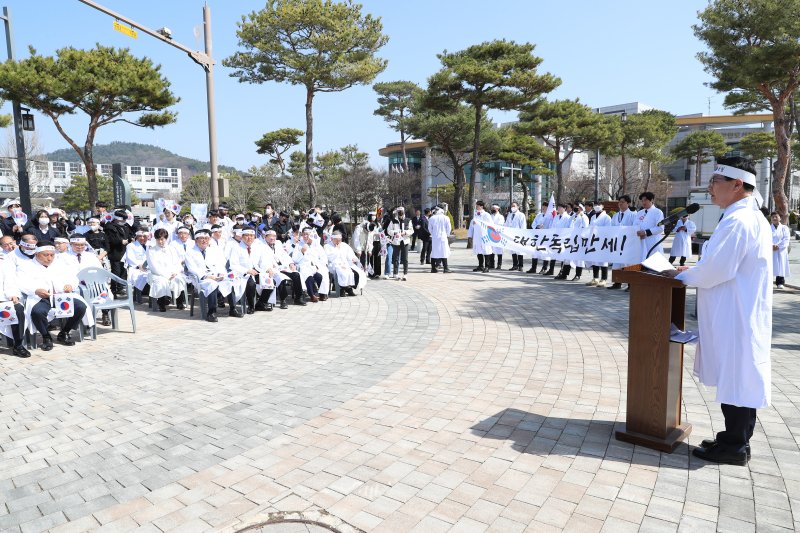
{"x": 248, "y": 263}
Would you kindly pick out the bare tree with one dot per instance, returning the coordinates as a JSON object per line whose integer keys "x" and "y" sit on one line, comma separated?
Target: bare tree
{"x": 38, "y": 175}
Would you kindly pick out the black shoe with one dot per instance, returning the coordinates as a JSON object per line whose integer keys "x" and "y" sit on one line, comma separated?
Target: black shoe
{"x": 47, "y": 343}
{"x": 220, "y": 304}
{"x": 105, "y": 320}
{"x": 250, "y": 310}
{"x": 446, "y": 270}
{"x": 20, "y": 351}
{"x": 284, "y": 305}
{"x": 513, "y": 268}
{"x": 65, "y": 339}
{"x": 270, "y": 307}
{"x": 299, "y": 301}
{"x": 235, "y": 312}
{"x": 434, "y": 271}
{"x": 180, "y": 305}
{"x": 121, "y": 294}
{"x": 708, "y": 443}
{"x": 531, "y": 271}
{"x": 262, "y": 307}
{"x": 615, "y": 286}
{"x": 717, "y": 454}
{"x": 162, "y": 307}
{"x": 576, "y": 278}
{"x": 478, "y": 269}
{"x": 211, "y": 317}
{"x": 485, "y": 269}
{"x": 350, "y": 291}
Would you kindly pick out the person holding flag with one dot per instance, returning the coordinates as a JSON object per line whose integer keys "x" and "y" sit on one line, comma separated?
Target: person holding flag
{"x": 549, "y": 215}
{"x": 476, "y": 231}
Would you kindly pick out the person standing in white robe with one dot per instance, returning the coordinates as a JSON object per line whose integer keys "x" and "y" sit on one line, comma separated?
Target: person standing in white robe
{"x": 476, "y": 233}
{"x": 538, "y": 223}
{"x": 498, "y": 221}
{"x": 562, "y": 220}
{"x": 780, "y": 250}
{"x": 579, "y": 222}
{"x": 734, "y": 308}
{"x": 682, "y": 242}
{"x": 515, "y": 219}
{"x": 169, "y": 223}
{"x": 625, "y": 217}
{"x": 599, "y": 270}
{"x": 166, "y": 272}
{"x": 647, "y": 227}
{"x": 440, "y": 229}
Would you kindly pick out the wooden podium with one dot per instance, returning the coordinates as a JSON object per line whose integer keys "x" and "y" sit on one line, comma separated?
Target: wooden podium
{"x": 655, "y": 364}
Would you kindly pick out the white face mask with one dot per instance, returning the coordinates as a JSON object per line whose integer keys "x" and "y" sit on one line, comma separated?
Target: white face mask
{"x": 94, "y": 227}
{"x": 44, "y": 221}
{"x": 513, "y": 209}
{"x": 598, "y": 208}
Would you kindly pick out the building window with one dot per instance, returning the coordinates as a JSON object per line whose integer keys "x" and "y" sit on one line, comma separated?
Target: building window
{"x": 174, "y": 185}
{"x": 149, "y": 171}
{"x": 136, "y": 171}
{"x": 687, "y": 174}
{"x": 75, "y": 168}
{"x": 163, "y": 172}
{"x": 105, "y": 169}
{"x": 60, "y": 188}
{"x": 41, "y": 171}
{"x": 164, "y": 180}
{"x": 173, "y": 172}
{"x": 5, "y": 167}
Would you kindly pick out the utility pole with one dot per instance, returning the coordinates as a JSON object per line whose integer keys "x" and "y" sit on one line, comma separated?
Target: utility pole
{"x": 203, "y": 59}
{"x": 511, "y": 169}
{"x": 19, "y": 134}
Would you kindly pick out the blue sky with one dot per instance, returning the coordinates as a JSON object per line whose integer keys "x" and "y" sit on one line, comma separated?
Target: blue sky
{"x": 605, "y": 53}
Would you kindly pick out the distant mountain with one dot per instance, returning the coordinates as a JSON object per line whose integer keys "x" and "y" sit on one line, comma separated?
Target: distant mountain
{"x": 138, "y": 154}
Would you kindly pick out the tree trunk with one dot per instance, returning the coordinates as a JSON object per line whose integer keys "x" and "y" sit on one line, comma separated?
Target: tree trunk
{"x": 476, "y": 145}
{"x": 524, "y": 197}
{"x": 782, "y": 165}
{"x": 91, "y": 174}
{"x": 624, "y": 170}
{"x": 458, "y": 194}
{"x": 559, "y": 172}
{"x": 312, "y": 186}
{"x": 698, "y": 165}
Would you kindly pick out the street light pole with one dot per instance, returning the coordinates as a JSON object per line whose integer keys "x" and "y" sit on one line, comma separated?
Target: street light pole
{"x": 19, "y": 135}
{"x": 204, "y": 60}
{"x": 512, "y": 168}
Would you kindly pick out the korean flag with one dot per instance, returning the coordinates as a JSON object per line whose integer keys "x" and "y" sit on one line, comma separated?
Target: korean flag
{"x": 63, "y": 306}
{"x": 8, "y": 315}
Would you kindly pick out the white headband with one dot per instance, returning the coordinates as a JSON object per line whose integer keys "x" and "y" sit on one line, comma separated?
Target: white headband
{"x": 77, "y": 240}
{"x": 142, "y": 233}
{"x": 735, "y": 173}
{"x": 47, "y": 248}
{"x": 249, "y": 231}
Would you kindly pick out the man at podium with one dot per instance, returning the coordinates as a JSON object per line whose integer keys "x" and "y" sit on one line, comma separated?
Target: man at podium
{"x": 734, "y": 308}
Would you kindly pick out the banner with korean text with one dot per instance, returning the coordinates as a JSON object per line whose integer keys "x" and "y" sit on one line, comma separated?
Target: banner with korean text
{"x": 603, "y": 244}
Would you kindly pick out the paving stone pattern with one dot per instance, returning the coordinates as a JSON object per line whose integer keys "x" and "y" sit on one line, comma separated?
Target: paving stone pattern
{"x": 461, "y": 402}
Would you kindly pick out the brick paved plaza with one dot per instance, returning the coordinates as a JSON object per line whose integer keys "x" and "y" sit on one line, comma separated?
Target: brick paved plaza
{"x": 465, "y": 402}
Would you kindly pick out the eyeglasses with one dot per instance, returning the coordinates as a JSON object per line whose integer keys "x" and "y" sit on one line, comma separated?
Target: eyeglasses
{"x": 717, "y": 179}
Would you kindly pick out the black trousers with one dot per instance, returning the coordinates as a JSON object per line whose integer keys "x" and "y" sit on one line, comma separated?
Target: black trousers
{"x": 672, "y": 258}
{"x": 779, "y": 280}
{"x": 400, "y": 255}
{"x": 312, "y": 282}
{"x": 414, "y": 242}
{"x": 39, "y": 316}
{"x": 739, "y": 425}
{"x": 250, "y": 292}
{"x": 211, "y": 300}
{"x": 118, "y": 269}
{"x": 377, "y": 258}
{"x": 297, "y": 285}
{"x": 425, "y": 251}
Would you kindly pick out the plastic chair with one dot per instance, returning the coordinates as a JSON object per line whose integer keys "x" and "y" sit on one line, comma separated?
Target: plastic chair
{"x": 29, "y": 338}
{"x": 95, "y": 281}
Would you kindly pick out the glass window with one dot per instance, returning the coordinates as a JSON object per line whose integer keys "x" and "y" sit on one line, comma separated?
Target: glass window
{"x": 149, "y": 171}
{"x": 75, "y": 168}
{"x": 162, "y": 172}
{"x": 173, "y": 172}
{"x": 5, "y": 167}
{"x": 59, "y": 167}
{"x": 136, "y": 171}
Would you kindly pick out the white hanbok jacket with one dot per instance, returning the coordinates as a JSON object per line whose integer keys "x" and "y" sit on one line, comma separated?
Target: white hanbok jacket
{"x": 439, "y": 226}
{"x": 342, "y": 261}
{"x": 165, "y": 271}
{"x": 476, "y": 231}
{"x": 515, "y": 220}
{"x": 682, "y": 242}
{"x": 54, "y": 278}
{"x": 648, "y": 219}
{"x": 8, "y": 289}
{"x": 311, "y": 261}
{"x": 780, "y": 257}
{"x": 135, "y": 260}
{"x": 213, "y": 264}
{"x": 600, "y": 220}
{"x": 734, "y": 306}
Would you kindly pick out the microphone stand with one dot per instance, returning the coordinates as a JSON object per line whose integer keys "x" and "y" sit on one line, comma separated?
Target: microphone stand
{"x": 667, "y": 231}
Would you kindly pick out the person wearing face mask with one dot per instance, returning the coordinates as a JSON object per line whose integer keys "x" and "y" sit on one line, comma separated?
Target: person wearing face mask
{"x": 399, "y": 231}
{"x": 169, "y": 223}
{"x": 119, "y": 234}
{"x": 780, "y": 250}
{"x": 270, "y": 218}
{"x": 189, "y": 223}
{"x": 9, "y": 225}
{"x": 282, "y": 228}
{"x": 599, "y": 270}
{"x": 515, "y": 219}
{"x": 135, "y": 260}
{"x": 498, "y": 220}
{"x": 580, "y": 221}
{"x": 338, "y": 225}
{"x": 624, "y": 217}
{"x": 424, "y": 235}
{"x": 540, "y": 221}
{"x": 24, "y": 252}
{"x": 41, "y": 228}
{"x": 361, "y": 243}
{"x": 96, "y": 238}
{"x": 165, "y": 278}
{"x": 476, "y": 231}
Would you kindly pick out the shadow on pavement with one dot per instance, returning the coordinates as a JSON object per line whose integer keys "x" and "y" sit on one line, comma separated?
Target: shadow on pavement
{"x": 544, "y": 435}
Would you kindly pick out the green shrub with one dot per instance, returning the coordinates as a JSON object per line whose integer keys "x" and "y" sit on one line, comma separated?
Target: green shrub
{"x": 452, "y": 223}
{"x": 531, "y": 216}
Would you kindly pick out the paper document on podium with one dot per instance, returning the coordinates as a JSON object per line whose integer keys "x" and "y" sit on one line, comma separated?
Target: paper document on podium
{"x": 657, "y": 263}
{"x": 683, "y": 337}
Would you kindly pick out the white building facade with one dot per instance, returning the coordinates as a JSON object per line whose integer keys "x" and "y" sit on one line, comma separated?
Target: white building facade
{"x": 53, "y": 177}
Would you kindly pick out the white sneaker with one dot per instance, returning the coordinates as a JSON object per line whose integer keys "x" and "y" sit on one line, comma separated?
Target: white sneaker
{"x": 601, "y": 283}
{"x": 593, "y": 283}
{"x": 403, "y": 277}
{"x": 384, "y": 277}
{"x": 780, "y": 287}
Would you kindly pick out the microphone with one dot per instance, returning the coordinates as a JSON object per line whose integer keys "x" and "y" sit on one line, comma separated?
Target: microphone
{"x": 688, "y": 210}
